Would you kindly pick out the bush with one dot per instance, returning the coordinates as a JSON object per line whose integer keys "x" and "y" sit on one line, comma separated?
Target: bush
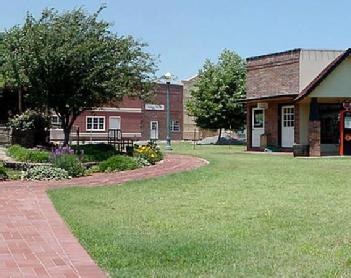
{"x": 95, "y": 152}
{"x": 142, "y": 162}
{"x": 30, "y": 120}
{"x": 46, "y": 173}
{"x": 118, "y": 163}
{"x": 150, "y": 152}
{"x": 70, "y": 163}
{"x": 27, "y": 155}
{"x": 3, "y": 174}
{"x": 30, "y": 128}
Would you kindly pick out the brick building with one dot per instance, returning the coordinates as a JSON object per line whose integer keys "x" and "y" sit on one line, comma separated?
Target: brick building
{"x": 294, "y": 99}
{"x": 136, "y": 119}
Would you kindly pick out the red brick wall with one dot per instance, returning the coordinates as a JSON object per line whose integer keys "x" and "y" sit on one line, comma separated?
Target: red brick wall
{"x": 176, "y": 108}
{"x": 272, "y": 122}
{"x": 249, "y": 107}
{"x": 274, "y": 74}
{"x": 130, "y": 122}
{"x": 314, "y": 138}
{"x": 297, "y": 124}
{"x": 140, "y": 122}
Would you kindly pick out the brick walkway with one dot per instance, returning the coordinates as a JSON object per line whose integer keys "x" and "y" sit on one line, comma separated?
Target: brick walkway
{"x": 34, "y": 240}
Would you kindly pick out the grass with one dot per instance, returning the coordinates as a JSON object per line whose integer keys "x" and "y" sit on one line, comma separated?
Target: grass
{"x": 12, "y": 173}
{"x": 243, "y": 215}
{"x": 28, "y": 155}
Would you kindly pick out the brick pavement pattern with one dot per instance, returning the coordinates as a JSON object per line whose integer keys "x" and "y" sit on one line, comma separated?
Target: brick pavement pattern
{"x": 34, "y": 240}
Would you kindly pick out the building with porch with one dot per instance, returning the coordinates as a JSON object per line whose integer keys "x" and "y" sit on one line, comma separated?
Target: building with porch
{"x": 294, "y": 100}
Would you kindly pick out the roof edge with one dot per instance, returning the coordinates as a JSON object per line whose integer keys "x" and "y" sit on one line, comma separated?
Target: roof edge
{"x": 274, "y": 54}
{"x": 292, "y": 96}
{"x": 323, "y": 74}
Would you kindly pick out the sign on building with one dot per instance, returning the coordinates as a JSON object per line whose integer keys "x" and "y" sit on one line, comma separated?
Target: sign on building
{"x": 155, "y": 107}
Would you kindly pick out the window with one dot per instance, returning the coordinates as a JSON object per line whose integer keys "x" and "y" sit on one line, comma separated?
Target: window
{"x": 55, "y": 120}
{"x": 175, "y": 126}
{"x": 258, "y": 118}
{"x": 330, "y": 123}
{"x": 288, "y": 116}
{"x": 96, "y": 123}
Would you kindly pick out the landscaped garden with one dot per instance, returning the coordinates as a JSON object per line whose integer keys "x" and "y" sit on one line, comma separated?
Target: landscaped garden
{"x": 74, "y": 161}
{"x": 243, "y": 215}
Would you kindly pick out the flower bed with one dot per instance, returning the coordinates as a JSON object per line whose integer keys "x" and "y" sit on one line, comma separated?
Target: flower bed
{"x": 78, "y": 161}
{"x": 151, "y": 152}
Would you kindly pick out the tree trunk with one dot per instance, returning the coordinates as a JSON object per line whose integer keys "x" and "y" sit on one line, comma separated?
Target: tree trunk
{"x": 219, "y": 135}
{"x": 20, "y": 101}
{"x": 66, "y": 132}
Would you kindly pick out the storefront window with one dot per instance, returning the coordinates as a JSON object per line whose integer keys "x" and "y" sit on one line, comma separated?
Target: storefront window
{"x": 330, "y": 118}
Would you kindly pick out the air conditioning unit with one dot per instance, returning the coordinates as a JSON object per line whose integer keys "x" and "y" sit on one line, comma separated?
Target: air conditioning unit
{"x": 262, "y": 105}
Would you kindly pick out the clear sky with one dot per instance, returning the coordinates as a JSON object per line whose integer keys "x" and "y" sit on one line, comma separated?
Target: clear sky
{"x": 186, "y": 32}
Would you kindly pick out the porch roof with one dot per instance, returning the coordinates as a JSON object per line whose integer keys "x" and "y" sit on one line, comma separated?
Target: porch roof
{"x": 324, "y": 74}
{"x": 283, "y": 95}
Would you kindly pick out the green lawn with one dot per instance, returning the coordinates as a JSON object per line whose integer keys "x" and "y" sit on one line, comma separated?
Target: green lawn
{"x": 244, "y": 215}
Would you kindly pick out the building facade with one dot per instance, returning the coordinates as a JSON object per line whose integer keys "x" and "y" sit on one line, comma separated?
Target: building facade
{"x": 295, "y": 99}
{"x": 137, "y": 120}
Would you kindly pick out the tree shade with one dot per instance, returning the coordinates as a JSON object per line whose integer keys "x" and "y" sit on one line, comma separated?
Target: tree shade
{"x": 70, "y": 62}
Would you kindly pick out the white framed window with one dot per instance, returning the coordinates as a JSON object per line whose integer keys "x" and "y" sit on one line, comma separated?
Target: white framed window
{"x": 55, "y": 120}
{"x": 175, "y": 126}
{"x": 288, "y": 116}
{"x": 95, "y": 123}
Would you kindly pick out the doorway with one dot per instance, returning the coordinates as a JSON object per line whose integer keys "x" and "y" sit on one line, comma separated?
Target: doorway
{"x": 257, "y": 126}
{"x": 154, "y": 130}
{"x": 287, "y": 126}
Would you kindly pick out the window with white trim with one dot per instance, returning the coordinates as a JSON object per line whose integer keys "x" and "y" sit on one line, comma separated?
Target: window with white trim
{"x": 175, "y": 126}
{"x": 95, "y": 123}
{"x": 288, "y": 116}
{"x": 55, "y": 120}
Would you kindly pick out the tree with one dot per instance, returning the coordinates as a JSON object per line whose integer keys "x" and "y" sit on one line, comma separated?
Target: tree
{"x": 215, "y": 97}
{"x": 70, "y": 62}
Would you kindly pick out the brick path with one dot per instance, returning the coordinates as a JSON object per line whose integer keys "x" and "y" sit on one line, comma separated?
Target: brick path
{"x": 34, "y": 240}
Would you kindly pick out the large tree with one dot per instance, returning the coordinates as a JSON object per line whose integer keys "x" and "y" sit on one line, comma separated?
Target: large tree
{"x": 216, "y": 97}
{"x": 70, "y": 62}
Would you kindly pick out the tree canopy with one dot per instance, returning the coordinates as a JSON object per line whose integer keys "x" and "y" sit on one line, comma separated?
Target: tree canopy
{"x": 216, "y": 94}
{"x": 71, "y": 61}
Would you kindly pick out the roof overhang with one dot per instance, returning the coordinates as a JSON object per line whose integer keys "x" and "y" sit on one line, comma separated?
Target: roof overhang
{"x": 275, "y": 97}
{"x": 324, "y": 73}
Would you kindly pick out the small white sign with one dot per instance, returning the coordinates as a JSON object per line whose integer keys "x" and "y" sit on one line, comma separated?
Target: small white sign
{"x": 156, "y": 107}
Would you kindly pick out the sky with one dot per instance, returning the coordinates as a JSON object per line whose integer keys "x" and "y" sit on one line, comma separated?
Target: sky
{"x": 184, "y": 33}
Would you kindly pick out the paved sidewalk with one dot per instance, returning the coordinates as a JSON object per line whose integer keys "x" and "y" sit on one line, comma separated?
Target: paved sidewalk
{"x": 34, "y": 240}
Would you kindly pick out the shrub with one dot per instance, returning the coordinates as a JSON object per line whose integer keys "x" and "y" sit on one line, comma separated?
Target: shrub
{"x": 70, "y": 163}
{"x": 118, "y": 163}
{"x": 3, "y": 174}
{"x": 142, "y": 162}
{"x": 27, "y": 155}
{"x": 30, "y": 120}
{"x": 46, "y": 173}
{"x": 150, "y": 152}
{"x": 95, "y": 152}
{"x": 30, "y": 129}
